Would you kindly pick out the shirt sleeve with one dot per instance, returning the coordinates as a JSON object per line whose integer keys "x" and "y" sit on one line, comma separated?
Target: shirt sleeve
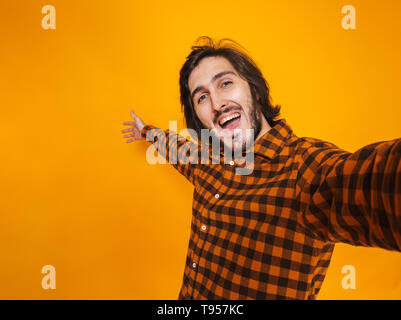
{"x": 353, "y": 198}
{"x": 175, "y": 149}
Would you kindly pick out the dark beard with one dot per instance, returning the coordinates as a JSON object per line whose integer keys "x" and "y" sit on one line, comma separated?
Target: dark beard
{"x": 255, "y": 116}
{"x": 256, "y": 124}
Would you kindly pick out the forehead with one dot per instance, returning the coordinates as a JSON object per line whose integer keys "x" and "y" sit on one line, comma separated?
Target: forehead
{"x": 206, "y": 69}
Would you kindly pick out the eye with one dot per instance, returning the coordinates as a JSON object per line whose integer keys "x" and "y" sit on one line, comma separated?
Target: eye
{"x": 226, "y": 83}
{"x": 201, "y": 98}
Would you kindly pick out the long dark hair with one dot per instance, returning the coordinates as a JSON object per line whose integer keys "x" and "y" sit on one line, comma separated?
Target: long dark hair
{"x": 242, "y": 63}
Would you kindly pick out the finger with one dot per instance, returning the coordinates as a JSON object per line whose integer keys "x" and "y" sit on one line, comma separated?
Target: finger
{"x": 133, "y": 114}
{"x": 129, "y": 123}
{"x": 127, "y": 130}
{"x": 130, "y": 140}
{"x": 128, "y": 135}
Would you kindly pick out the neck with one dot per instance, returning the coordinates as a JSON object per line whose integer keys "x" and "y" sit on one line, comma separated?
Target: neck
{"x": 265, "y": 128}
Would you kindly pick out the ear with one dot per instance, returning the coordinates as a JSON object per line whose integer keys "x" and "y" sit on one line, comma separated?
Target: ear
{"x": 253, "y": 90}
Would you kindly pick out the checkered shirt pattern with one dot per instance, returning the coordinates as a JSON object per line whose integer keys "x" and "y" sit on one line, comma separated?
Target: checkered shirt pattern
{"x": 271, "y": 234}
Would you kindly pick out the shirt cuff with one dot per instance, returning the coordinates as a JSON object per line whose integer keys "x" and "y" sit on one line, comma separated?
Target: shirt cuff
{"x": 145, "y": 130}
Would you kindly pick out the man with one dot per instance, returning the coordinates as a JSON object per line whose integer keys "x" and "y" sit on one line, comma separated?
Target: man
{"x": 270, "y": 234}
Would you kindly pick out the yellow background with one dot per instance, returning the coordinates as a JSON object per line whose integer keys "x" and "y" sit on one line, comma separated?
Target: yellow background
{"x": 74, "y": 195}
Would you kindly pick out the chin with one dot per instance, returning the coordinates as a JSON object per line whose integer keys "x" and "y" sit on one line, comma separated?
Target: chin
{"x": 236, "y": 143}
{"x": 240, "y": 145}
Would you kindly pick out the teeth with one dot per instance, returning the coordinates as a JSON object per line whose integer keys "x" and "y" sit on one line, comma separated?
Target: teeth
{"x": 236, "y": 115}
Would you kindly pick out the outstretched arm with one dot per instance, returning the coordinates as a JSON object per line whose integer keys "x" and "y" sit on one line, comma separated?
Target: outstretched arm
{"x": 353, "y": 198}
{"x": 171, "y": 146}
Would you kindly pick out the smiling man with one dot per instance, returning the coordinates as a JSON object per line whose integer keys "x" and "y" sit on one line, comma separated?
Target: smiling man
{"x": 270, "y": 234}
{"x": 223, "y": 101}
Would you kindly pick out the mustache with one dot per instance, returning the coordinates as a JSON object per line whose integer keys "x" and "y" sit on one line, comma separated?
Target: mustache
{"x": 226, "y": 110}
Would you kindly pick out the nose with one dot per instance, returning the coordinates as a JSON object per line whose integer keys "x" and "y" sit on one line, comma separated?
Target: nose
{"x": 218, "y": 103}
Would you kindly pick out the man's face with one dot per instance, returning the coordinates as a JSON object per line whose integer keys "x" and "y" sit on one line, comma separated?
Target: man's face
{"x": 223, "y": 101}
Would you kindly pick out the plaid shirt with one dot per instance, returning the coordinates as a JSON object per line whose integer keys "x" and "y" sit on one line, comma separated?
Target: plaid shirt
{"x": 271, "y": 234}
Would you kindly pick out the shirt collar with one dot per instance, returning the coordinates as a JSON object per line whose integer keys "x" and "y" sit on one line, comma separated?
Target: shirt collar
{"x": 272, "y": 142}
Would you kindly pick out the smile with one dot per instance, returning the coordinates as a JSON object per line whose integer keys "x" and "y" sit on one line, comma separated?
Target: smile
{"x": 231, "y": 121}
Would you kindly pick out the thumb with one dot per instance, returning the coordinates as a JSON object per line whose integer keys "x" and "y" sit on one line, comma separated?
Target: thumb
{"x": 138, "y": 121}
{"x": 133, "y": 115}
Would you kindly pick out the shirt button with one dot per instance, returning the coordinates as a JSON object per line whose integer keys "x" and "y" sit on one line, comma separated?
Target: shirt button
{"x": 203, "y": 227}
{"x": 217, "y": 196}
{"x": 194, "y": 265}
{"x": 231, "y": 163}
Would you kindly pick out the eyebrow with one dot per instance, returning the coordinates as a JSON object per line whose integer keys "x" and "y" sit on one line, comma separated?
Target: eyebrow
{"x": 215, "y": 77}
